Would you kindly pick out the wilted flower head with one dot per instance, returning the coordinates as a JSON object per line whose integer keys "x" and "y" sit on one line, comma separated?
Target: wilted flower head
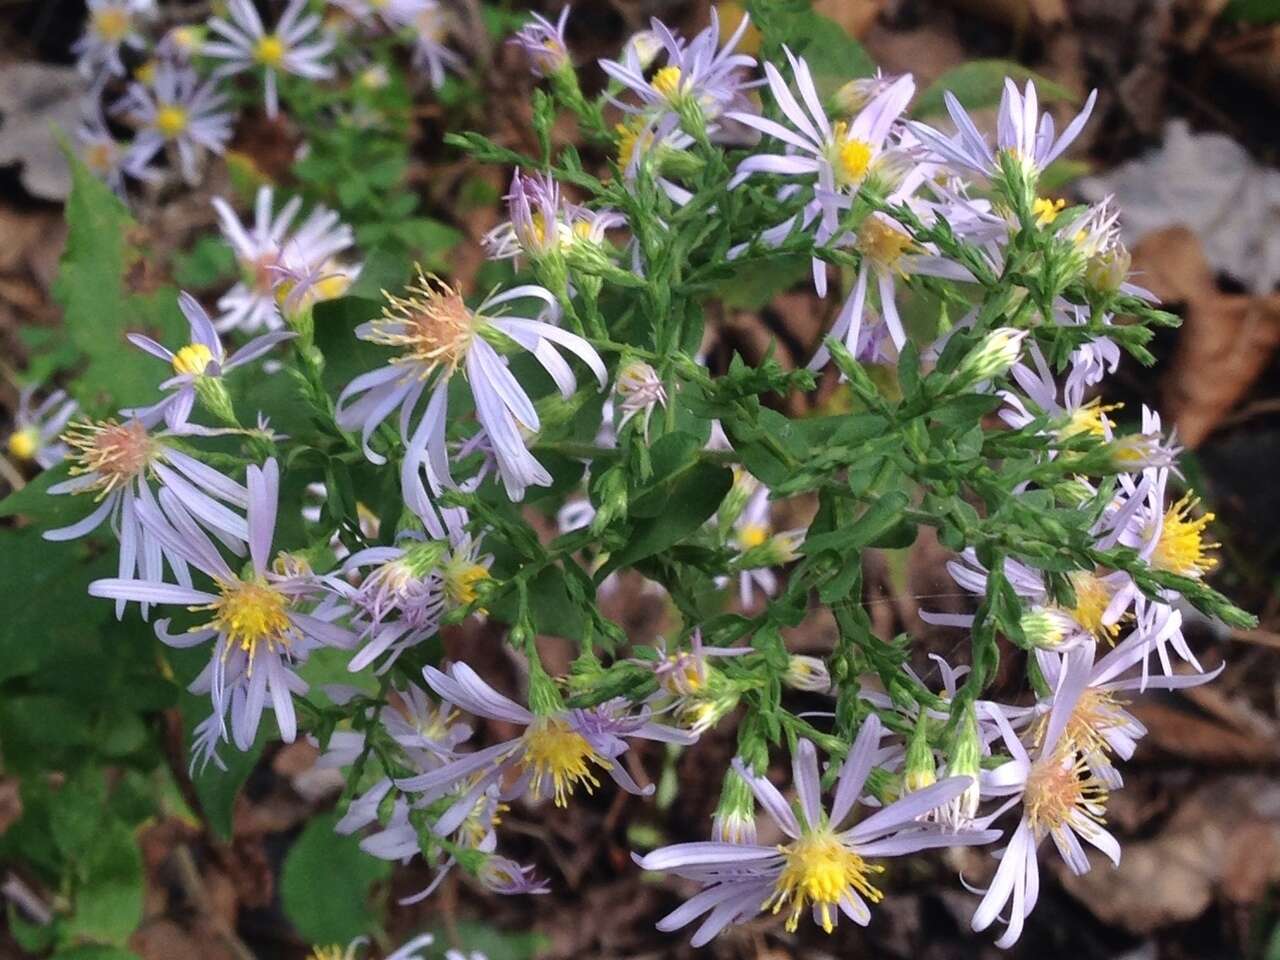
{"x": 640, "y": 391}
{"x": 438, "y": 335}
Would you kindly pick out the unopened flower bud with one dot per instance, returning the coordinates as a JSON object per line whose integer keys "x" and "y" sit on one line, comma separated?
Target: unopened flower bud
{"x": 1046, "y": 628}
{"x": 807, "y": 673}
{"x": 1108, "y": 269}
{"x": 921, "y": 770}
{"x": 993, "y": 357}
{"x": 735, "y": 816}
{"x": 611, "y": 491}
{"x": 964, "y": 759}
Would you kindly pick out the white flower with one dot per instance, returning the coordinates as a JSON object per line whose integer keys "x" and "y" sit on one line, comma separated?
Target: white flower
{"x": 272, "y": 257}
{"x": 181, "y": 112}
{"x": 291, "y": 47}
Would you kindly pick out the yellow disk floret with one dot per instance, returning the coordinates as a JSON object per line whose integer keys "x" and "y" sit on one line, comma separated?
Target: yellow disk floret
{"x": 819, "y": 872}
{"x": 1181, "y": 547}
{"x": 192, "y": 359}
{"x": 559, "y": 758}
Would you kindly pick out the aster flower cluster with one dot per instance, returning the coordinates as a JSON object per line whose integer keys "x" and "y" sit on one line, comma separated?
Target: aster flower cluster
{"x": 576, "y": 390}
{"x": 162, "y": 91}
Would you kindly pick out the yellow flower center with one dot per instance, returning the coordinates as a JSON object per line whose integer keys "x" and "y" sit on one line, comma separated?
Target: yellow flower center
{"x": 184, "y": 38}
{"x": 24, "y": 444}
{"x": 146, "y": 73}
{"x": 192, "y": 359}
{"x": 850, "y": 158}
{"x": 752, "y": 535}
{"x": 333, "y": 952}
{"x": 628, "y": 139}
{"x": 881, "y": 243}
{"x": 1090, "y": 419}
{"x": 111, "y": 23}
{"x": 1093, "y": 596}
{"x": 685, "y": 677}
{"x": 559, "y": 756}
{"x": 433, "y": 326}
{"x": 117, "y": 452}
{"x": 819, "y": 871}
{"x": 1046, "y": 210}
{"x": 1058, "y": 790}
{"x": 171, "y": 120}
{"x": 251, "y": 612}
{"x": 269, "y": 50}
{"x": 667, "y": 82}
{"x": 1182, "y": 548}
{"x": 1096, "y": 712}
{"x": 460, "y": 582}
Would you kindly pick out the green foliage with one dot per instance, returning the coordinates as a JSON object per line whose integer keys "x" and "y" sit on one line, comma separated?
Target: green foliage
{"x": 325, "y": 884}
{"x": 98, "y": 307}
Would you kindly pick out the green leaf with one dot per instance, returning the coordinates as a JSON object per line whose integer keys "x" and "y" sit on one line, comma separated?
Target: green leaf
{"x": 108, "y": 906}
{"x": 833, "y": 55}
{"x": 325, "y": 884}
{"x": 980, "y": 83}
{"x": 751, "y": 286}
{"x": 693, "y": 500}
{"x": 98, "y": 311}
{"x": 209, "y": 260}
{"x": 1254, "y": 11}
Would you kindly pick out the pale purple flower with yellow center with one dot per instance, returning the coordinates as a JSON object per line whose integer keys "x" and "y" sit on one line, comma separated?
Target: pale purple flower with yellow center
{"x": 256, "y": 620}
{"x": 544, "y": 43}
{"x": 425, "y": 732}
{"x": 294, "y": 46}
{"x": 836, "y": 157}
{"x": 887, "y": 252}
{"x": 107, "y": 157}
{"x": 1060, "y": 798}
{"x": 203, "y": 358}
{"x": 823, "y": 866}
{"x": 1172, "y": 538}
{"x": 753, "y": 531}
{"x": 686, "y": 673}
{"x": 411, "y": 586}
{"x": 277, "y": 259}
{"x": 118, "y": 463}
{"x": 1100, "y": 724}
{"x": 1102, "y": 600}
{"x": 37, "y": 427}
{"x": 556, "y": 753}
{"x": 179, "y": 111}
{"x": 1021, "y": 131}
{"x": 699, "y": 77}
{"x": 542, "y": 223}
{"x": 440, "y": 336}
{"x": 431, "y": 54}
{"x": 112, "y": 25}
